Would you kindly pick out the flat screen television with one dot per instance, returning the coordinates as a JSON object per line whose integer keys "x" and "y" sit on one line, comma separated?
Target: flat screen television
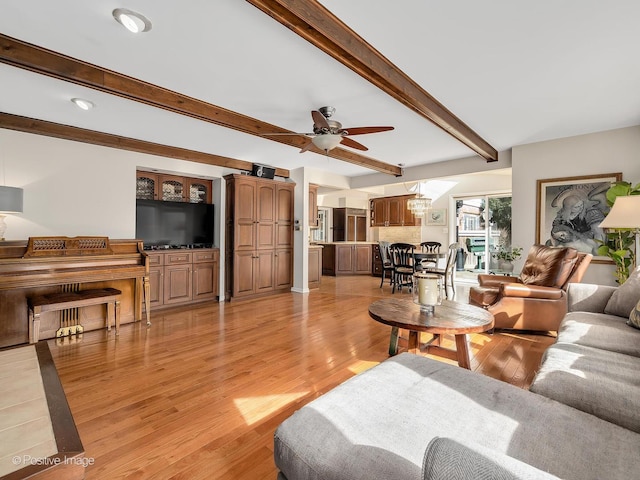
{"x": 174, "y": 224}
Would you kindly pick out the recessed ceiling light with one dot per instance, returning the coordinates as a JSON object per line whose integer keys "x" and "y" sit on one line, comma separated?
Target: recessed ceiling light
{"x": 83, "y": 104}
{"x": 132, "y": 21}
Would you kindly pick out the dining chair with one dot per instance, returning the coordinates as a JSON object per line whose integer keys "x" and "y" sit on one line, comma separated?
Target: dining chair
{"x": 387, "y": 266}
{"x": 433, "y": 248}
{"x": 401, "y": 255}
{"x": 448, "y": 271}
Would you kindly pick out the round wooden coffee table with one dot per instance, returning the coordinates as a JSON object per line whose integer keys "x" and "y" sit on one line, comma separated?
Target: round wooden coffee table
{"x": 452, "y": 318}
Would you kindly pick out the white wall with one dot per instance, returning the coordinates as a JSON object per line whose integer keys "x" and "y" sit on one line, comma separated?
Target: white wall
{"x": 71, "y": 188}
{"x": 604, "y": 152}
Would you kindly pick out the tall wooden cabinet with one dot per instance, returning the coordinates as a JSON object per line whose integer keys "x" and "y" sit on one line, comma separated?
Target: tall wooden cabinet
{"x": 259, "y": 236}
{"x": 349, "y": 224}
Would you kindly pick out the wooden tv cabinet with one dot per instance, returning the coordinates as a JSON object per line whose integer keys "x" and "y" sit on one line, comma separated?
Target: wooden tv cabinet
{"x": 183, "y": 276}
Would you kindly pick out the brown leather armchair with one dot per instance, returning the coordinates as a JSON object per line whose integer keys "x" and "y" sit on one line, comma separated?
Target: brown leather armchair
{"x": 537, "y": 299}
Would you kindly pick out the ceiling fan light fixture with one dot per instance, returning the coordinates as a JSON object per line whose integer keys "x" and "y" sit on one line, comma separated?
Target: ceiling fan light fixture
{"x": 327, "y": 142}
{"x": 132, "y": 21}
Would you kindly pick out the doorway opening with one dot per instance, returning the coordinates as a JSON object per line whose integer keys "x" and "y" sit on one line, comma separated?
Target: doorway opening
{"x": 322, "y": 233}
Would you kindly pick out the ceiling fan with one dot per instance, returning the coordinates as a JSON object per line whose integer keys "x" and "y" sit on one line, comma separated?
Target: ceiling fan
{"x": 328, "y": 134}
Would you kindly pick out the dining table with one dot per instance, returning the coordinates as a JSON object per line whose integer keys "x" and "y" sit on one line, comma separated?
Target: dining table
{"x": 418, "y": 257}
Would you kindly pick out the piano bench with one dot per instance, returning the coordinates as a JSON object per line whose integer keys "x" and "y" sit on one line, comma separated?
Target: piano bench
{"x": 51, "y": 302}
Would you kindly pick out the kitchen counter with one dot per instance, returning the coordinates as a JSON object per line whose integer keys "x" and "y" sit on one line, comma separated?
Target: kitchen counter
{"x": 346, "y": 258}
{"x": 315, "y": 265}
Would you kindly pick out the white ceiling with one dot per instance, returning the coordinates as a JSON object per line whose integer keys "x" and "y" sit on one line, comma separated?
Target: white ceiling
{"x": 516, "y": 72}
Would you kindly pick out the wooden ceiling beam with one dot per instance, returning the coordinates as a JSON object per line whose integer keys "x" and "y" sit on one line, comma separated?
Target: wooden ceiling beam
{"x": 316, "y": 24}
{"x": 47, "y": 62}
{"x": 67, "y": 132}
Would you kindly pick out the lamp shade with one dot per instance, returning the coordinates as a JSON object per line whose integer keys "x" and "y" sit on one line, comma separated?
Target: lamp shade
{"x": 327, "y": 142}
{"x": 625, "y": 213}
{"x": 10, "y": 200}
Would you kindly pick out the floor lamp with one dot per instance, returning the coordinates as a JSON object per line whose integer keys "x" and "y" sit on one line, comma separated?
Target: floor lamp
{"x": 625, "y": 213}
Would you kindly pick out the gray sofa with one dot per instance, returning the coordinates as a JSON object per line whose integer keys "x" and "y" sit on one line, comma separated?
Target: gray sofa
{"x": 412, "y": 417}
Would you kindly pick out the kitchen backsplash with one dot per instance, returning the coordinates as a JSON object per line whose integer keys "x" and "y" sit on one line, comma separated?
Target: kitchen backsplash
{"x": 398, "y": 234}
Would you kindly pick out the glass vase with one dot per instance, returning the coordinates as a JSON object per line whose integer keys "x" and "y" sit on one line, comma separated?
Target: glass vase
{"x": 428, "y": 291}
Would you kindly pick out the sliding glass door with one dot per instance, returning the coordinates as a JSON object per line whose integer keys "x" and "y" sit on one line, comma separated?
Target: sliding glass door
{"x": 483, "y": 225}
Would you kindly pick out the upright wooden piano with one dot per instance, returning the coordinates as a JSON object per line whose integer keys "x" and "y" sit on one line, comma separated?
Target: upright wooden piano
{"x": 44, "y": 265}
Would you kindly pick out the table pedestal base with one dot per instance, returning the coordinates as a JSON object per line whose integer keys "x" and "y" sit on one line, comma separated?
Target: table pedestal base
{"x": 433, "y": 347}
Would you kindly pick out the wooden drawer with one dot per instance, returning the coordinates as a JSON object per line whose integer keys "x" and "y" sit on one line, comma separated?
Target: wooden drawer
{"x": 156, "y": 259}
{"x": 206, "y": 256}
{"x": 178, "y": 258}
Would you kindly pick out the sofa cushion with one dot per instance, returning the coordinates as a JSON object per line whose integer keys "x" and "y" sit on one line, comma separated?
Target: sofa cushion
{"x": 625, "y": 297}
{"x": 634, "y": 316}
{"x": 599, "y": 382}
{"x": 544, "y": 264}
{"x": 585, "y": 297}
{"x": 448, "y": 459}
{"x": 377, "y": 425}
{"x": 599, "y": 330}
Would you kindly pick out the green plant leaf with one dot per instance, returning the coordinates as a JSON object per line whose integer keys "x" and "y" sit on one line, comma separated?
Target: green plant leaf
{"x": 618, "y": 189}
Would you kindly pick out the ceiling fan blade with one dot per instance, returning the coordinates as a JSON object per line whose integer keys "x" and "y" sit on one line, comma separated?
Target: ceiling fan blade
{"x": 292, "y": 133}
{"x": 307, "y": 147}
{"x": 319, "y": 120}
{"x": 353, "y": 144}
{"x": 364, "y": 130}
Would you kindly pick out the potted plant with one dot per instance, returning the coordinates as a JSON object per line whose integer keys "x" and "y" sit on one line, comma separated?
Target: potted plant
{"x": 619, "y": 243}
{"x": 506, "y": 256}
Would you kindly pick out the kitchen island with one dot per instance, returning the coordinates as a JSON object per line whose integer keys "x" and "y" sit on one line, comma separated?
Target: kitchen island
{"x": 315, "y": 265}
{"x": 346, "y": 258}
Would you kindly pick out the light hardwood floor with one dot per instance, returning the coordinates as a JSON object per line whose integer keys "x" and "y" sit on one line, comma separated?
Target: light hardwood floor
{"x": 199, "y": 393}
